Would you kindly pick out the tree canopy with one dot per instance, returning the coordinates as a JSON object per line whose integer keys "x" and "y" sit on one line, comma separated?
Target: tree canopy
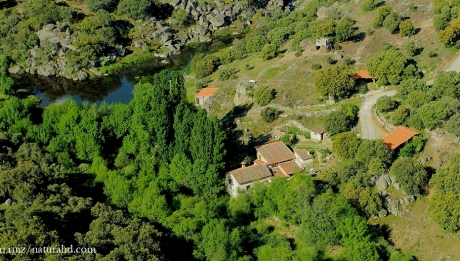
{"x": 335, "y": 81}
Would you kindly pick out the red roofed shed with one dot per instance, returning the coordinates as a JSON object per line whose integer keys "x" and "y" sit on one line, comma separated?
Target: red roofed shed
{"x": 398, "y": 136}
{"x": 204, "y": 94}
{"x": 363, "y": 74}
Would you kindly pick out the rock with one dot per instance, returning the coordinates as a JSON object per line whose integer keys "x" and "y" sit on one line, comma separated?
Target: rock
{"x": 218, "y": 20}
{"x": 392, "y": 205}
{"x": 175, "y": 3}
{"x": 8, "y": 202}
{"x": 121, "y": 51}
{"x": 424, "y": 160}
{"x": 387, "y": 178}
{"x": 47, "y": 70}
{"x": 15, "y": 70}
{"x": 67, "y": 31}
{"x": 49, "y": 27}
{"x": 396, "y": 185}
{"x": 381, "y": 184}
{"x": 338, "y": 57}
{"x": 456, "y": 139}
{"x": 63, "y": 28}
{"x": 96, "y": 71}
{"x": 383, "y": 213}
{"x": 408, "y": 199}
{"x": 201, "y": 30}
{"x": 137, "y": 44}
{"x": 439, "y": 163}
{"x": 81, "y": 75}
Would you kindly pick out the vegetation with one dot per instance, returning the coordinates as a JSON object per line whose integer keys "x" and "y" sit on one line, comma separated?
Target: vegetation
{"x": 269, "y": 114}
{"x": 335, "y": 81}
{"x": 263, "y": 95}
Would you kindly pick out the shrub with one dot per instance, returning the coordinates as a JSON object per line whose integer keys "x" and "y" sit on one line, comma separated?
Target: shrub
{"x": 316, "y": 66}
{"x": 392, "y": 22}
{"x": 369, "y": 5}
{"x": 268, "y": 51}
{"x": 255, "y": 44}
{"x": 380, "y": 15}
{"x": 400, "y": 116}
{"x": 406, "y": 28}
{"x": 227, "y": 73}
{"x": 330, "y": 60}
{"x": 263, "y": 95}
{"x": 386, "y": 104}
{"x": 270, "y": 114}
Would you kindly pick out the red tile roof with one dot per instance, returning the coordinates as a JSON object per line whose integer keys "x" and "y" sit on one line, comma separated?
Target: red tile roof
{"x": 251, "y": 173}
{"x": 275, "y": 152}
{"x": 258, "y": 162}
{"x": 398, "y": 136}
{"x": 278, "y": 173}
{"x": 206, "y": 92}
{"x": 363, "y": 74}
{"x": 289, "y": 167}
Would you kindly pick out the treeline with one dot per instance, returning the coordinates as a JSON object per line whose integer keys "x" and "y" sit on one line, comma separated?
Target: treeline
{"x": 136, "y": 180}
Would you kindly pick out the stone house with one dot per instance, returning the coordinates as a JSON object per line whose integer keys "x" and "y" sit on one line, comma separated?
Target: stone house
{"x": 204, "y": 95}
{"x": 317, "y": 133}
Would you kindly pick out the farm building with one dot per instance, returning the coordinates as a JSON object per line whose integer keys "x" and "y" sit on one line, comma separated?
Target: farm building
{"x": 204, "y": 95}
{"x": 399, "y": 136}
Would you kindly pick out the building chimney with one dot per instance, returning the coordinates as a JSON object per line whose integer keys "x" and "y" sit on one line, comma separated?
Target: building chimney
{"x": 308, "y": 152}
{"x": 243, "y": 164}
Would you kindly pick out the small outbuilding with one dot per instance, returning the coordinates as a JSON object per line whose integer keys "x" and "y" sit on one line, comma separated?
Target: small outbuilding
{"x": 363, "y": 74}
{"x": 204, "y": 95}
{"x": 324, "y": 45}
{"x": 399, "y": 136}
{"x": 317, "y": 133}
{"x": 303, "y": 157}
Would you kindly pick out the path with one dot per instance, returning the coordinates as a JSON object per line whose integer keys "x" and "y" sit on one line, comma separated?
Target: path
{"x": 368, "y": 129}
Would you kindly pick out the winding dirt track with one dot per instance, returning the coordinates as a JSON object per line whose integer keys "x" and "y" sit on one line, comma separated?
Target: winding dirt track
{"x": 368, "y": 130}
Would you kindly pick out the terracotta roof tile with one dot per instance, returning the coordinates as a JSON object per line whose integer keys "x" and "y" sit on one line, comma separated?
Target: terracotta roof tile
{"x": 275, "y": 152}
{"x": 362, "y": 74}
{"x": 206, "y": 92}
{"x": 258, "y": 162}
{"x": 251, "y": 173}
{"x": 304, "y": 154}
{"x": 278, "y": 173}
{"x": 289, "y": 167}
{"x": 398, "y": 136}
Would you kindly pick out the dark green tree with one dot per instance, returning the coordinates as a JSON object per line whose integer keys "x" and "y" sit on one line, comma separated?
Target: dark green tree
{"x": 410, "y": 174}
{"x": 334, "y": 81}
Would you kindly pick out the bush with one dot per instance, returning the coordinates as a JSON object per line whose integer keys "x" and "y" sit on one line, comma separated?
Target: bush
{"x": 406, "y": 28}
{"x": 400, "y": 116}
{"x": 386, "y": 104}
{"x": 316, "y": 66}
{"x": 330, "y": 60}
{"x": 270, "y": 114}
{"x": 369, "y": 5}
{"x": 263, "y": 95}
{"x": 205, "y": 65}
{"x": 255, "y": 44}
{"x": 136, "y": 9}
{"x": 227, "y": 73}
{"x": 268, "y": 51}
{"x": 380, "y": 15}
{"x": 348, "y": 61}
{"x": 392, "y": 22}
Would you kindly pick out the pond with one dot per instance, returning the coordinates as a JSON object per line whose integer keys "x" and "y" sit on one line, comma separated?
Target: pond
{"x": 112, "y": 88}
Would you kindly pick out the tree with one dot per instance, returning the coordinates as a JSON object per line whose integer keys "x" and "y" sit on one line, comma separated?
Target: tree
{"x": 409, "y": 85}
{"x": 447, "y": 179}
{"x": 263, "y": 95}
{"x": 367, "y": 199}
{"x": 380, "y": 15}
{"x": 345, "y": 145}
{"x": 369, "y": 5}
{"x": 446, "y": 84}
{"x": 6, "y": 84}
{"x": 441, "y": 21}
{"x": 95, "y": 5}
{"x": 370, "y": 149}
{"x": 434, "y": 113}
{"x": 398, "y": 256}
{"x": 391, "y": 67}
{"x": 444, "y": 210}
{"x": 392, "y": 22}
{"x": 453, "y": 125}
{"x": 406, "y": 28}
{"x": 270, "y": 114}
{"x": 204, "y": 65}
{"x": 418, "y": 98}
{"x": 268, "y": 51}
{"x": 400, "y": 116}
{"x": 136, "y": 9}
{"x": 414, "y": 146}
{"x": 450, "y": 35}
{"x": 214, "y": 244}
{"x": 344, "y": 29}
{"x": 410, "y": 174}
{"x": 255, "y": 44}
{"x": 334, "y": 81}
{"x": 385, "y": 104}
{"x": 326, "y": 28}
{"x": 337, "y": 122}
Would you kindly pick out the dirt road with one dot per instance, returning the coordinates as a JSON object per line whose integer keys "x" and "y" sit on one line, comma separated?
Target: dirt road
{"x": 368, "y": 130}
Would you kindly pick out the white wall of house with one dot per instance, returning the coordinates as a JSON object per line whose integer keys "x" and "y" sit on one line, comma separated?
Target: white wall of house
{"x": 200, "y": 100}
{"x": 316, "y": 136}
{"x": 233, "y": 187}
